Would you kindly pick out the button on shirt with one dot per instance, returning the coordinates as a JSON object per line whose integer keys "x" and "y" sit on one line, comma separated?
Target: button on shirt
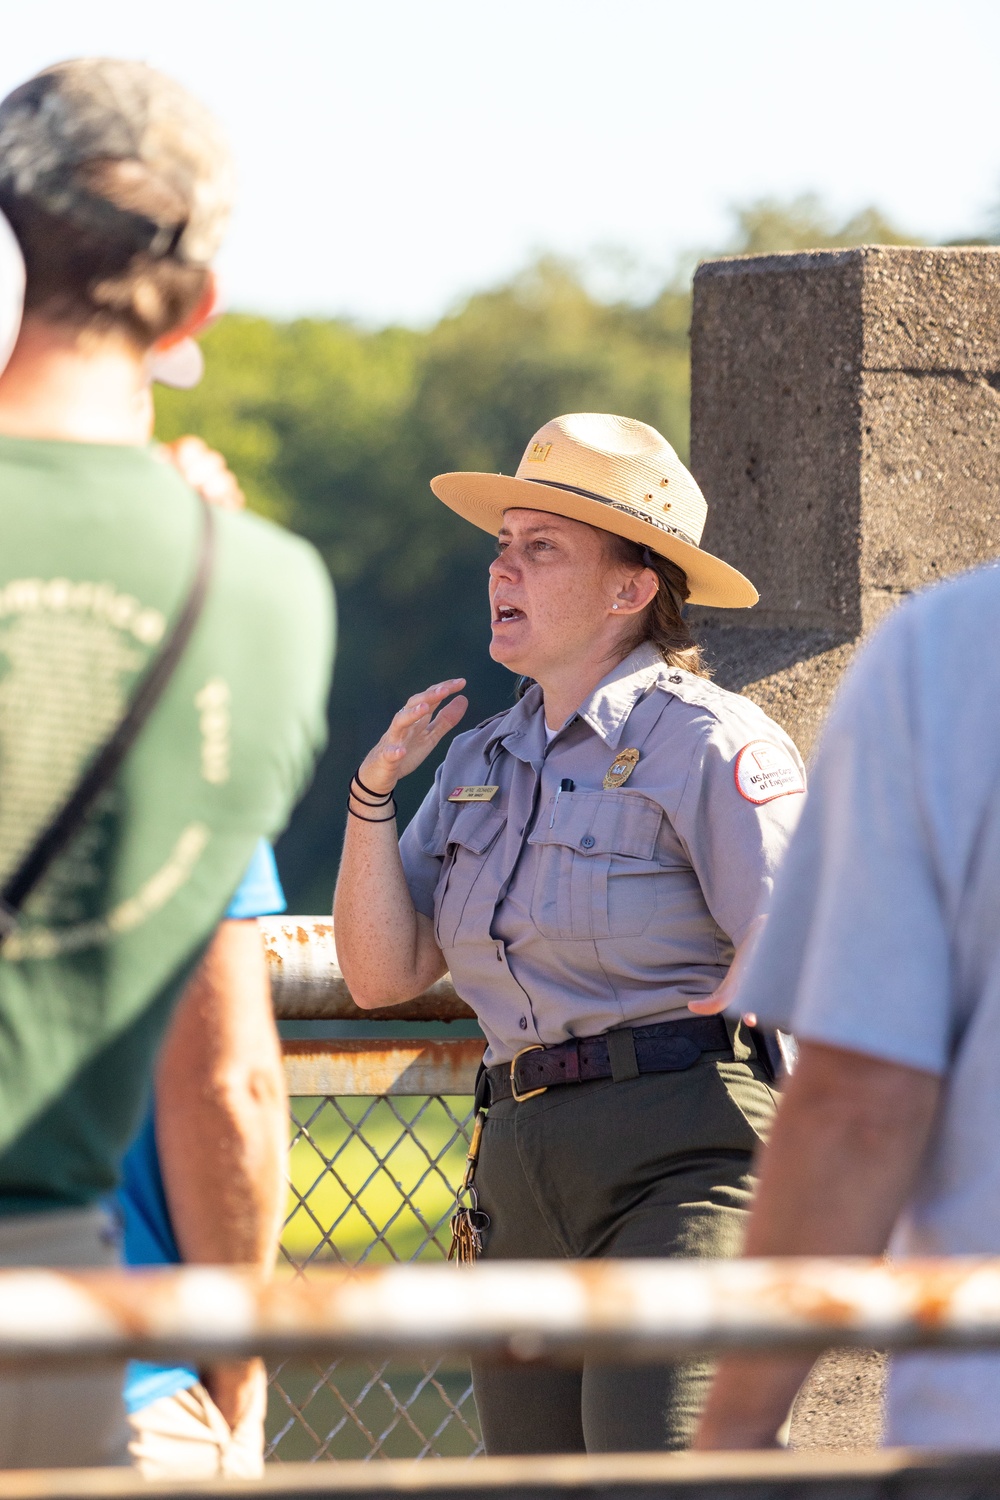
{"x": 884, "y": 939}
{"x": 566, "y": 909}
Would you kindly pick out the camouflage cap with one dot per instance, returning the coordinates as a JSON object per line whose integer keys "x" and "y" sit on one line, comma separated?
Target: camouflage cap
{"x": 112, "y": 146}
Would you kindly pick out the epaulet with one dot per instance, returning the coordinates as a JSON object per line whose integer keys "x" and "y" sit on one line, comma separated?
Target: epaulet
{"x": 702, "y": 692}
{"x": 690, "y": 687}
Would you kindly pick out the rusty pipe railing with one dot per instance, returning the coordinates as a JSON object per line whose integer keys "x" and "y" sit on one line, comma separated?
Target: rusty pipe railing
{"x": 307, "y": 984}
{"x": 625, "y": 1310}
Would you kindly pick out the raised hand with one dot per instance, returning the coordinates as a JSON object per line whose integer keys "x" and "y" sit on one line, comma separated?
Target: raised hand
{"x": 412, "y": 735}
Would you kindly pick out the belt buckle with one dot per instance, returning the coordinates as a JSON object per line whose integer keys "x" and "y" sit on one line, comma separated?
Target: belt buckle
{"x": 532, "y": 1093}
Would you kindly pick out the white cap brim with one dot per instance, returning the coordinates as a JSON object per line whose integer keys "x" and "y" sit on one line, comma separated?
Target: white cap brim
{"x": 11, "y": 290}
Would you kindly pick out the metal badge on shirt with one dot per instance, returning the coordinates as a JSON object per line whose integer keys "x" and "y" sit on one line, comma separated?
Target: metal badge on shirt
{"x": 622, "y": 767}
{"x": 473, "y": 794}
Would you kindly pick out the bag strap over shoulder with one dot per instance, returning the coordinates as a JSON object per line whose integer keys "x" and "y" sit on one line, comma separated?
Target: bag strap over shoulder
{"x": 109, "y": 758}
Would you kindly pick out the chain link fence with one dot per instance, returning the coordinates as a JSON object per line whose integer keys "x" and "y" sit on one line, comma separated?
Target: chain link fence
{"x": 372, "y": 1179}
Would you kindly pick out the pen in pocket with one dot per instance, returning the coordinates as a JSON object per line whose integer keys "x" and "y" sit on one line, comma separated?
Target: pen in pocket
{"x": 566, "y": 785}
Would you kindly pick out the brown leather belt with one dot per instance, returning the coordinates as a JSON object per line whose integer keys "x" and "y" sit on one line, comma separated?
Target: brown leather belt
{"x": 669, "y": 1047}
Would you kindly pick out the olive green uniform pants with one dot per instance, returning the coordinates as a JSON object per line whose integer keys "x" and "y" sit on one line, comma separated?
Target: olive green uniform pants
{"x": 656, "y": 1166}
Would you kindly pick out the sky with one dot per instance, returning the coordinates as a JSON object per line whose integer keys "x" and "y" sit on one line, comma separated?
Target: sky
{"x": 395, "y": 155}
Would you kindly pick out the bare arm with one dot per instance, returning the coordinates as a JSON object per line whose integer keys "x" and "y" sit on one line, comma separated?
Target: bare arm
{"x": 222, "y": 1126}
{"x": 846, "y": 1147}
{"x": 386, "y": 948}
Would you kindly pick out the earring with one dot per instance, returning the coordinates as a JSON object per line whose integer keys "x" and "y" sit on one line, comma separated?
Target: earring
{"x": 614, "y": 606}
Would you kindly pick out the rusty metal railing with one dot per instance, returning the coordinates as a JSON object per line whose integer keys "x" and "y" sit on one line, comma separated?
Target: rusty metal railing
{"x": 625, "y": 1310}
{"x": 382, "y": 1066}
{"x": 307, "y": 984}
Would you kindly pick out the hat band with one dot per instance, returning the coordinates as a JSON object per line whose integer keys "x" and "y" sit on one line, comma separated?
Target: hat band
{"x": 628, "y": 510}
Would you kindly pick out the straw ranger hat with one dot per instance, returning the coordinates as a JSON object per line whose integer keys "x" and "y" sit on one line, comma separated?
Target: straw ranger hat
{"x": 618, "y": 475}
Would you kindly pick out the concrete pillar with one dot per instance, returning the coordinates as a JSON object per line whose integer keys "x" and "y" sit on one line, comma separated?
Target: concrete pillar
{"x": 845, "y": 428}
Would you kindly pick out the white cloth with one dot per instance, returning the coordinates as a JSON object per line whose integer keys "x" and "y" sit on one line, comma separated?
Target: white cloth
{"x": 884, "y": 938}
{"x": 185, "y": 1436}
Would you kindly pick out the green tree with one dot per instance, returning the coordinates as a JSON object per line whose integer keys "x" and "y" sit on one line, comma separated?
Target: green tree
{"x": 804, "y": 223}
{"x": 335, "y": 431}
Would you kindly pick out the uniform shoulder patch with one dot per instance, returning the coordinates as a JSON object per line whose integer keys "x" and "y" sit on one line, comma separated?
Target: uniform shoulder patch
{"x": 765, "y": 770}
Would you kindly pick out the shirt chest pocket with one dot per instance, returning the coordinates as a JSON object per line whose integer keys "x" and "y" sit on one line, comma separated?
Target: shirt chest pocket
{"x": 597, "y": 873}
{"x": 466, "y": 892}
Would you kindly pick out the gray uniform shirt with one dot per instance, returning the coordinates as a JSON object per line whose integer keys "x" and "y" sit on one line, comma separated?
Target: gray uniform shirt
{"x": 884, "y": 938}
{"x": 567, "y": 913}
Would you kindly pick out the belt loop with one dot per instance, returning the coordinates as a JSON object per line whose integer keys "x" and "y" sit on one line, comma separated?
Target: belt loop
{"x": 621, "y": 1054}
{"x": 482, "y": 1097}
{"x": 740, "y": 1039}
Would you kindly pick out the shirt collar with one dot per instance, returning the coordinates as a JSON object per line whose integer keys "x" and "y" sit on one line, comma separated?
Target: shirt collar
{"x": 609, "y": 705}
{"x": 606, "y": 711}
{"x": 521, "y": 730}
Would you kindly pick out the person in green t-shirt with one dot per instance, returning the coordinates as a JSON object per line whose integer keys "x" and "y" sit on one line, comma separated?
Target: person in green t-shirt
{"x": 117, "y": 186}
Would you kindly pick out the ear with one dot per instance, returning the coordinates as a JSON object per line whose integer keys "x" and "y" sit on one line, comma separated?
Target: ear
{"x": 196, "y": 321}
{"x": 636, "y": 592}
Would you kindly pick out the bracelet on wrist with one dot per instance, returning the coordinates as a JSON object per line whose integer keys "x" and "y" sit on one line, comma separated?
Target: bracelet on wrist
{"x": 356, "y": 797}
{"x": 362, "y": 819}
{"x": 385, "y": 796}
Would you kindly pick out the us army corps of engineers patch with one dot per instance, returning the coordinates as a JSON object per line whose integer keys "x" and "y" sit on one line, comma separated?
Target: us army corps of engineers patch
{"x": 765, "y": 770}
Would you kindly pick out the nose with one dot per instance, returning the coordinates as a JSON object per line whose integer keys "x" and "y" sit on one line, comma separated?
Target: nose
{"x": 502, "y": 565}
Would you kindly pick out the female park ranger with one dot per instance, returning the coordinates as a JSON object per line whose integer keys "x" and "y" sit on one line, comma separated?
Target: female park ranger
{"x": 585, "y": 864}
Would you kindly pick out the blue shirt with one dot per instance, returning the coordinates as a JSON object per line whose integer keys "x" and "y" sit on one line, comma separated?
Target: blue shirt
{"x": 142, "y": 1202}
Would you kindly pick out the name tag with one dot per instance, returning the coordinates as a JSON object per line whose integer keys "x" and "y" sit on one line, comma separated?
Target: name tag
{"x": 473, "y": 794}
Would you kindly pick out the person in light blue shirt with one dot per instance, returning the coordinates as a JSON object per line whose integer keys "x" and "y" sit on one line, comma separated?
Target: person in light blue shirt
{"x": 177, "y": 1427}
{"x": 882, "y": 955}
